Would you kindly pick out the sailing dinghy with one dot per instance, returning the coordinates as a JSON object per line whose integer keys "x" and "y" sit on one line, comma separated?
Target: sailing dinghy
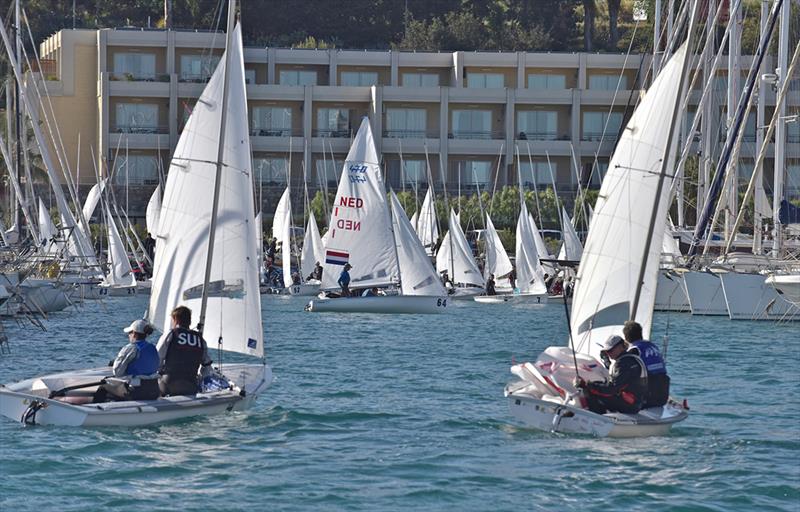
{"x": 213, "y": 154}
{"x": 616, "y": 279}
{"x": 383, "y": 249}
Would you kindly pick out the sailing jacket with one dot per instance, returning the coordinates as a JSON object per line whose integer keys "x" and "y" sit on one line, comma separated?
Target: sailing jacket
{"x": 344, "y": 279}
{"x": 136, "y": 359}
{"x": 182, "y": 351}
{"x": 627, "y": 381}
{"x": 657, "y": 378}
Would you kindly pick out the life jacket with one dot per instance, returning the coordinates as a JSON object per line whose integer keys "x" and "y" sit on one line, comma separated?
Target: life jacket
{"x": 651, "y": 356}
{"x": 184, "y": 354}
{"x": 635, "y": 394}
{"x": 146, "y": 362}
{"x": 344, "y": 278}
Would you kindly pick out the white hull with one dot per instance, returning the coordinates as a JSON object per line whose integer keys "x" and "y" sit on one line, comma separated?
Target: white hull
{"x": 117, "y": 291}
{"x": 552, "y": 416}
{"x": 704, "y": 291}
{"x": 518, "y": 298}
{"x": 466, "y": 293}
{"x": 16, "y": 399}
{"x": 749, "y": 297}
{"x": 670, "y": 292}
{"x": 788, "y": 285}
{"x": 402, "y": 304}
{"x": 304, "y": 290}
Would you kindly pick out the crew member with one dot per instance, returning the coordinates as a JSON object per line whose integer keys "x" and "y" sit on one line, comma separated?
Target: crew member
{"x": 135, "y": 369}
{"x": 657, "y": 378}
{"x": 182, "y": 352}
{"x": 490, "y": 285}
{"x": 316, "y": 273}
{"x": 344, "y": 280}
{"x": 627, "y": 385}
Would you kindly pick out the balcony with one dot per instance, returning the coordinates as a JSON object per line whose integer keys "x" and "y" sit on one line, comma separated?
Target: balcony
{"x": 610, "y": 135}
{"x": 541, "y": 136}
{"x": 333, "y": 133}
{"x": 275, "y": 132}
{"x": 477, "y": 135}
{"x": 122, "y": 76}
{"x": 137, "y": 128}
{"x": 405, "y": 134}
{"x": 194, "y": 79}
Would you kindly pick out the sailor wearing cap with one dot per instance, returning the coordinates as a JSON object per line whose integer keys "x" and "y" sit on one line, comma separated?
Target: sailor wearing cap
{"x": 135, "y": 369}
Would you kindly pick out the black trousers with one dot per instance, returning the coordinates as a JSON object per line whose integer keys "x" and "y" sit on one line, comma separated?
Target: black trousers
{"x": 604, "y": 404}
{"x": 172, "y": 385}
{"x": 109, "y": 392}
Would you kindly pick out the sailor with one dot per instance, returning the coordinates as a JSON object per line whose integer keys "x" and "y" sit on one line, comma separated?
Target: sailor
{"x": 296, "y": 278}
{"x": 272, "y": 249}
{"x": 182, "y": 352}
{"x": 344, "y": 280}
{"x": 447, "y": 282}
{"x": 512, "y": 277}
{"x": 316, "y": 273}
{"x": 371, "y": 292}
{"x": 490, "y": 285}
{"x": 657, "y": 378}
{"x": 627, "y": 385}
{"x": 135, "y": 369}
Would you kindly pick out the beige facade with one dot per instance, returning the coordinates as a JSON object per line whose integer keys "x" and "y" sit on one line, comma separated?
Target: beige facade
{"x": 129, "y": 92}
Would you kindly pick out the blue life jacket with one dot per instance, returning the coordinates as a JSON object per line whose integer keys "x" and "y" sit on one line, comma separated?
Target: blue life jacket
{"x": 651, "y": 356}
{"x": 344, "y": 278}
{"x": 146, "y": 362}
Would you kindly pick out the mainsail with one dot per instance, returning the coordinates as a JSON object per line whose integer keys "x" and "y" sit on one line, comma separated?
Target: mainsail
{"x": 119, "y": 268}
{"x": 613, "y": 255}
{"x": 233, "y": 318}
{"x": 427, "y": 227}
{"x": 92, "y": 198}
{"x": 281, "y": 229}
{"x": 417, "y": 275}
{"x": 153, "y": 211}
{"x": 456, "y": 256}
{"x": 360, "y": 232}
{"x": 530, "y": 274}
{"x": 313, "y": 250}
{"x": 497, "y": 261}
{"x": 571, "y": 247}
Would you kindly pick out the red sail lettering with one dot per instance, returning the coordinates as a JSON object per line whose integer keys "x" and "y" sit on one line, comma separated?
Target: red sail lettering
{"x": 348, "y": 225}
{"x": 351, "y": 202}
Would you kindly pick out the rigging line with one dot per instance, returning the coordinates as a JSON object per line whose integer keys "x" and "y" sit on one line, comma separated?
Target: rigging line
{"x": 535, "y": 188}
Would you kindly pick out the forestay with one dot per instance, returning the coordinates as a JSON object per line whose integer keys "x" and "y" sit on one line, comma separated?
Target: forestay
{"x": 612, "y": 258}
{"x": 234, "y": 303}
{"x": 360, "y": 232}
{"x": 313, "y": 250}
{"x": 497, "y": 261}
{"x": 119, "y": 271}
{"x": 417, "y": 275}
{"x": 530, "y": 274}
{"x": 455, "y": 256}
{"x": 153, "y": 211}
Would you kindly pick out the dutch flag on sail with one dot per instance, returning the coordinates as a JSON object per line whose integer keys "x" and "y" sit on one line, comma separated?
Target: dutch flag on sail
{"x": 336, "y": 257}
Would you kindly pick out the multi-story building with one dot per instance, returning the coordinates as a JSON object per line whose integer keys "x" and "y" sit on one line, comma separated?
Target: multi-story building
{"x": 477, "y": 119}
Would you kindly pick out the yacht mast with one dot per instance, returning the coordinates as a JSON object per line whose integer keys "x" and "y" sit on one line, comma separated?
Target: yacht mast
{"x": 779, "y": 165}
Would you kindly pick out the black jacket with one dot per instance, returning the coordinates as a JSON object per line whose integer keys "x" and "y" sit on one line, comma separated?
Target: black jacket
{"x": 628, "y": 381}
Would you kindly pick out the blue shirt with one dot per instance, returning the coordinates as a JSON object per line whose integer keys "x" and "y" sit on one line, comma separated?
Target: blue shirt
{"x": 344, "y": 278}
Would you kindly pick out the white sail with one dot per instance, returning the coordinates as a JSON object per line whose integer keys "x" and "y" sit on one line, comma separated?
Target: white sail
{"x": 417, "y": 275}
{"x": 153, "y": 211}
{"x": 497, "y": 261}
{"x": 262, "y": 271}
{"x": 92, "y": 198}
{"x": 313, "y": 250}
{"x": 360, "y": 232}
{"x": 538, "y": 241}
{"x": 47, "y": 230}
{"x": 234, "y": 303}
{"x": 530, "y": 274}
{"x": 460, "y": 265}
{"x": 571, "y": 247}
{"x": 427, "y": 227}
{"x": 281, "y": 229}
{"x": 614, "y": 251}
{"x": 415, "y": 220}
{"x": 119, "y": 268}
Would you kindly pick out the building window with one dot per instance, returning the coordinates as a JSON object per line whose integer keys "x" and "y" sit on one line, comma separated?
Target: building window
{"x": 297, "y": 77}
{"x": 135, "y": 66}
{"x": 271, "y": 170}
{"x": 472, "y": 124}
{"x": 535, "y": 174}
{"x": 272, "y": 121}
{"x": 475, "y": 172}
{"x": 793, "y": 130}
{"x": 607, "y": 82}
{"x": 249, "y": 76}
{"x": 328, "y": 172}
{"x": 485, "y": 80}
{"x": 792, "y": 181}
{"x": 537, "y": 125}
{"x": 137, "y": 118}
{"x": 413, "y": 172}
{"x": 546, "y": 81}
{"x": 359, "y": 78}
{"x": 184, "y": 111}
{"x": 333, "y": 122}
{"x": 136, "y": 170}
{"x": 198, "y": 68}
{"x": 405, "y": 122}
{"x": 420, "y": 80}
{"x": 595, "y": 123}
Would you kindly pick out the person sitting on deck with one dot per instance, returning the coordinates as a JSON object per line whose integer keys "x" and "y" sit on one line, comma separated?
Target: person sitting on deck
{"x": 296, "y": 280}
{"x": 344, "y": 280}
{"x": 371, "y": 292}
{"x": 490, "y": 285}
{"x": 657, "y": 378}
{"x": 182, "y": 352}
{"x": 315, "y": 274}
{"x": 135, "y": 369}
{"x": 627, "y": 385}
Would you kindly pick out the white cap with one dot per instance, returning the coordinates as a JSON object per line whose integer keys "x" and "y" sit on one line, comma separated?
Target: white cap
{"x": 610, "y": 343}
{"x": 137, "y": 326}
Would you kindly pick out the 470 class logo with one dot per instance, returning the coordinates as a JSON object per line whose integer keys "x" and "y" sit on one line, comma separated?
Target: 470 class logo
{"x": 358, "y": 173}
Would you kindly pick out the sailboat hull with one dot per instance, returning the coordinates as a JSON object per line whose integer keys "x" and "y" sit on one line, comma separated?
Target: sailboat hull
{"x": 704, "y": 291}
{"x": 670, "y": 292}
{"x": 304, "y": 290}
{"x": 749, "y": 297}
{"x": 16, "y": 400}
{"x": 552, "y": 416}
{"x": 117, "y": 291}
{"x": 518, "y": 298}
{"x": 788, "y": 285}
{"x": 398, "y": 304}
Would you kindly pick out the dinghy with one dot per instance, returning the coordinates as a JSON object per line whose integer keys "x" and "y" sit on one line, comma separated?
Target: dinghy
{"x": 380, "y": 245}
{"x": 208, "y": 202}
{"x": 616, "y": 280}
{"x": 119, "y": 281}
{"x": 455, "y": 257}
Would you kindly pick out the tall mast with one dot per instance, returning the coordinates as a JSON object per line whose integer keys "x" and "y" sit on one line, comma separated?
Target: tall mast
{"x": 17, "y": 117}
{"x": 760, "y": 120}
{"x": 220, "y": 153}
{"x": 734, "y": 50}
{"x": 780, "y": 130}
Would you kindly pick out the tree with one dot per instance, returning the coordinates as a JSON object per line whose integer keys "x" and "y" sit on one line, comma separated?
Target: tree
{"x": 588, "y": 23}
{"x": 613, "y": 18}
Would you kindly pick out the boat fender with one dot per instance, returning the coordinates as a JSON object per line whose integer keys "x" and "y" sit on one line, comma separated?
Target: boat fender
{"x": 29, "y": 416}
{"x": 685, "y": 404}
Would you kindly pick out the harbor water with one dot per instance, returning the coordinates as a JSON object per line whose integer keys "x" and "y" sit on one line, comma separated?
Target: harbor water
{"x": 384, "y": 412}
